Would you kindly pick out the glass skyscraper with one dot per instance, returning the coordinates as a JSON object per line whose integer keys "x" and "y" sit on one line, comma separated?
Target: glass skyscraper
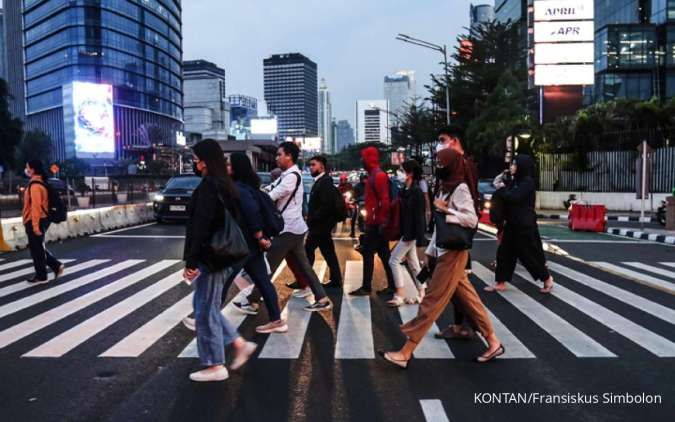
{"x": 133, "y": 45}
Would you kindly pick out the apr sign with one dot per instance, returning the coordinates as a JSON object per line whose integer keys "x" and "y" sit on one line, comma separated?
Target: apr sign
{"x": 564, "y": 31}
{"x": 559, "y": 10}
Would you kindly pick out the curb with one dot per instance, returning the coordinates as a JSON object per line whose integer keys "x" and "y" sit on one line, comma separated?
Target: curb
{"x": 622, "y": 218}
{"x": 636, "y": 234}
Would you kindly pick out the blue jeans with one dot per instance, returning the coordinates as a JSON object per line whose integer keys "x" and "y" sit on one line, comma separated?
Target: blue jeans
{"x": 214, "y": 332}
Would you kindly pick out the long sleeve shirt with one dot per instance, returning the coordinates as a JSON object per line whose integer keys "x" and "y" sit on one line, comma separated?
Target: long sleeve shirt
{"x": 377, "y": 198}
{"x": 35, "y": 203}
{"x": 461, "y": 211}
{"x": 282, "y": 190}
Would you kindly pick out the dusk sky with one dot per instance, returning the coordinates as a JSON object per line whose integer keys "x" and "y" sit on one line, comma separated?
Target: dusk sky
{"x": 352, "y": 42}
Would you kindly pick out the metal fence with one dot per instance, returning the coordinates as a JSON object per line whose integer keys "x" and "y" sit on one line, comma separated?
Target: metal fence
{"x": 605, "y": 171}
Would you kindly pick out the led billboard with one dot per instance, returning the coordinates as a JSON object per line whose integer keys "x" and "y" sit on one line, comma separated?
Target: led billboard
{"x": 93, "y": 120}
{"x": 561, "y": 10}
{"x": 264, "y": 126}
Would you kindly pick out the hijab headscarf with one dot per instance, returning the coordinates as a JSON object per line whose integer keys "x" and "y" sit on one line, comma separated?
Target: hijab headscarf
{"x": 525, "y": 167}
{"x": 455, "y": 173}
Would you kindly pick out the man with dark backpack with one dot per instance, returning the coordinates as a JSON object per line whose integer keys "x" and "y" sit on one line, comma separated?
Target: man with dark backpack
{"x": 326, "y": 209}
{"x": 37, "y": 211}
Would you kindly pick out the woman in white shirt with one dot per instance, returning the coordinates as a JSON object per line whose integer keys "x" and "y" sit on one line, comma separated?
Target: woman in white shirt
{"x": 449, "y": 279}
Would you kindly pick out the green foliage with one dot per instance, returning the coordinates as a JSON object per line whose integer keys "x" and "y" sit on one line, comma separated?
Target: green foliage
{"x": 11, "y": 130}
{"x": 417, "y": 127}
{"x": 35, "y": 145}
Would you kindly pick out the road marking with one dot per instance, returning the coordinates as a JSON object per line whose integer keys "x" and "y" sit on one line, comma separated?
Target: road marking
{"x": 26, "y": 271}
{"x": 138, "y": 236}
{"x": 124, "y": 229}
{"x": 621, "y": 295}
{"x": 289, "y": 345}
{"x": 17, "y": 287}
{"x": 669, "y": 264}
{"x": 429, "y": 347}
{"x": 651, "y": 269}
{"x": 17, "y": 263}
{"x": 355, "y": 331}
{"x": 68, "y": 340}
{"x": 515, "y": 349}
{"x": 43, "y": 295}
{"x": 433, "y": 411}
{"x": 645, "y": 279}
{"x": 568, "y": 335}
{"x": 644, "y": 338}
{"x": 28, "y": 327}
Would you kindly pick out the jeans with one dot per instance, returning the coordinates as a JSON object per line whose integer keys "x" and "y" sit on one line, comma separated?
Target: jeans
{"x": 41, "y": 256}
{"x": 256, "y": 270}
{"x": 324, "y": 241}
{"x": 214, "y": 332}
{"x": 373, "y": 241}
{"x": 407, "y": 250}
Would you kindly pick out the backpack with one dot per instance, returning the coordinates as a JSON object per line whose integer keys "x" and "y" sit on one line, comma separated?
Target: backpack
{"x": 339, "y": 206}
{"x": 56, "y": 211}
{"x": 273, "y": 222}
{"x": 392, "y": 228}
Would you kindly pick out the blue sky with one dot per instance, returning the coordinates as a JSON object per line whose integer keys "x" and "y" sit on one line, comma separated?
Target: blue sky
{"x": 351, "y": 41}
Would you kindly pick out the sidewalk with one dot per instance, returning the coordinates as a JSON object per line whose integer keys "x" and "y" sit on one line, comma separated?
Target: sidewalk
{"x": 654, "y": 235}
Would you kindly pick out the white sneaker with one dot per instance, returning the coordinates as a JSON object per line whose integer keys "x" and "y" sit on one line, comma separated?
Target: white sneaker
{"x": 242, "y": 357}
{"x": 302, "y": 292}
{"x": 209, "y": 376}
{"x": 190, "y": 323}
{"x": 246, "y": 308}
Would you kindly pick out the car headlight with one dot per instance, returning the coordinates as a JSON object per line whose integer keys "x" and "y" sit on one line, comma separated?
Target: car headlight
{"x": 159, "y": 197}
{"x": 488, "y": 205}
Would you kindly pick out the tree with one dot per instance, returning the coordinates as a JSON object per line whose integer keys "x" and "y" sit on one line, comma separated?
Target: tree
{"x": 417, "y": 128}
{"x": 11, "y": 129}
{"x": 35, "y": 145}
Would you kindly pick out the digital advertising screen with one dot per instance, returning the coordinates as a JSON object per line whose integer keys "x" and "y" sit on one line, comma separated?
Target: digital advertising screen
{"x": 94, "y": 127}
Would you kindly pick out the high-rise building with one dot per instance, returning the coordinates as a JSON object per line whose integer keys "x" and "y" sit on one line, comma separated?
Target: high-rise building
{"x": 291, "y": 93}
{"x": 510, "y": 10}
{"x": 3, "y": 58}
{"x": 206, "y": 109}
{"x": 325, "y": 119}
{"x": 242, "y": 110}
{"x": 103, "y": 79}
{"x": 480, "y": 14}
{"x": 344, "y": 134}
{"x": 372, "y": 121}
{"x": 399, "y": 91}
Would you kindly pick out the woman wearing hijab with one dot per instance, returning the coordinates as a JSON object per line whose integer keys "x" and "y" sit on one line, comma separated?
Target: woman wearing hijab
{"x": 521, "y": 240}
{"x": 213, "y": 196}
{"x": 449, "y": 279}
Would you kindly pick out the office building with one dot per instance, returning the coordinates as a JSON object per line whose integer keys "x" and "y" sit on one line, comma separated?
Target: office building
{"x": 325, "y": 119}
{"x": 103, "y": 79}
{"x": 510, "y": 10}
{"x": 372, "y": 121}
{"x": 344, "y": 134}
{"x": 291, "y": 93}
{"x": 480, "y": 15}
{"x": 399, "y": 91}
{"x": 3, "y": 58}
{"x": 205, "y": 105}
{"x": 242, "y": 109}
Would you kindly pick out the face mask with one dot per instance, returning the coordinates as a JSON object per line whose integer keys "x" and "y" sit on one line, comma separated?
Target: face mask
{"x": 400, "y": 175}
{"x": 26, "y": 173}
{"x": 442, "y": 173}
{"x": 196, "y": 170}
{"x": 440, "y": 147}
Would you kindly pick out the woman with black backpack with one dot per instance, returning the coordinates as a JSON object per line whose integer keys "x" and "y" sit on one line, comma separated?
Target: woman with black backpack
{"x": 214, "y": 207}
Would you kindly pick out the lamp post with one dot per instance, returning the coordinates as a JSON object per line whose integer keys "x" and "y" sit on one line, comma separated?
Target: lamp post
{"x": 441, "y": 49}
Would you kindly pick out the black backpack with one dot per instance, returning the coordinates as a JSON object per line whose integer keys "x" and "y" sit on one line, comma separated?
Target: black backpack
{"x": 340, "y": 208}
{"x": 56, "y": 211}
{"x": 273, "y": 222}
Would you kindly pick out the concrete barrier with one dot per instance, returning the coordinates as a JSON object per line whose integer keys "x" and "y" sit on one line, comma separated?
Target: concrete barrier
{"x": 613, "y": 201}
{"x": 80, "y": 223}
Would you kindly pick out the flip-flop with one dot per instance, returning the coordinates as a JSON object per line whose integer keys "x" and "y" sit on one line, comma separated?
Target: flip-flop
{"x": 495, "y": 289}
{"x": 547, "y": 289}
{"x": 500, "y": 351}
{"x": 403, "y": 364}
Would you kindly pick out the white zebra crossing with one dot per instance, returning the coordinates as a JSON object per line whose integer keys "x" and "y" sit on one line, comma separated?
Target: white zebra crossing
{"x": 514, "y": 348}
{"x": 355, "y": 330}
{"x": 17, "y": 287}
{"x": 25, "y": 271}
{"x": 433, "y": 411}
{"x": 565, "y": 333}
{"x": 644, "y": 278}
{"x": 14, "y": 264}
{"x": 652, "y": 269}
{"x": 429, "y": 347}
{"x": 669, "y": 264}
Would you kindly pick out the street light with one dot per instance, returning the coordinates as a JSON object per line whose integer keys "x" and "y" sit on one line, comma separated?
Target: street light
{"x": 443, "y": 50}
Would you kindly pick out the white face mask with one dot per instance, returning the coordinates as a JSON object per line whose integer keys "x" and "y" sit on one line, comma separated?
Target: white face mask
{"x": 400, "y": 175}
{"x": 27, "y": 173}
{"x": 440, "y": 147}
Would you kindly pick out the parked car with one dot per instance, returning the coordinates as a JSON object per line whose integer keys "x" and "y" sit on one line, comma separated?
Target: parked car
{"x": 485, "y": 191}
{"x": 172, "y": 203}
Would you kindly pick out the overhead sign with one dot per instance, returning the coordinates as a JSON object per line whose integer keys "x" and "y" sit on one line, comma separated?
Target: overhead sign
{"x": 564, "y": 31}
{"x": 559, "y": 10}
{"x": 562, "y": 53}
{"x": 564, "y": 74}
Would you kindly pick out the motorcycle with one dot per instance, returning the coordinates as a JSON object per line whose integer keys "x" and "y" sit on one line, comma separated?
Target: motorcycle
{"x": 661, "y": 213}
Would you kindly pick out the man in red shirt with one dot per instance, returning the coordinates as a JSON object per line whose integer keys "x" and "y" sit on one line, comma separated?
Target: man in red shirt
{"x": 377, "y": 211}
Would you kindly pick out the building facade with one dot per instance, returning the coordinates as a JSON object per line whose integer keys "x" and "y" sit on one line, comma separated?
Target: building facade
{"x": 510, "y": 10}
{"x": 133, "y": 48}
{"x": 480, "y": 14}
{"x": 399, "y": 91}
{"x": 325, "y": 119}
{"x": 206, "y": 109}
{"x": 372, "y": 121}
{"x": 291, "y": 93}
{"x": 344, "y": 134}
{"x": 3, "y": 58}
{"x": 242, "y": 109}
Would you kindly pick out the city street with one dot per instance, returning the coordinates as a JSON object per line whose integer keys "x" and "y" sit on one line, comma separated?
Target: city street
{"x": 106, "y": 342}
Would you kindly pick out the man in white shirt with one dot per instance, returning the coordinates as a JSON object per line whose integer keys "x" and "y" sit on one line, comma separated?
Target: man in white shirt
{"x": 288, "y": 192}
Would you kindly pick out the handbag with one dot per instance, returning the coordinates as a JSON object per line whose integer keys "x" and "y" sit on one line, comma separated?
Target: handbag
{"x": 452, "y": 236}
{"x": 227, "y": 245}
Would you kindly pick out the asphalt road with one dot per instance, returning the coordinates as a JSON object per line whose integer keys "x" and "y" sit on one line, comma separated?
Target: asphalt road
{"x": 106, "y": 342}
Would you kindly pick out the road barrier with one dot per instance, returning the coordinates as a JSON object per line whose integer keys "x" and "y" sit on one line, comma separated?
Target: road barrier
{"x": 588, "y": 218}
{"x": 80, "y": 223}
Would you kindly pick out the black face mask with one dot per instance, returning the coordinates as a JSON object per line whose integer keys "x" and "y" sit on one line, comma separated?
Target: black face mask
{"x": 196, "y": 170}
{"x": 442, "y": 173}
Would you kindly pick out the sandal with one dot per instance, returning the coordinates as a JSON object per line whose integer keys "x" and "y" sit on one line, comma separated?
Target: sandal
{"x": 547, "y": 289}
{"x": 396, "y": 301}
{"x": 500, "y": 351}
{"x": 403, "y": 364}
{"x": 497, "y": 287}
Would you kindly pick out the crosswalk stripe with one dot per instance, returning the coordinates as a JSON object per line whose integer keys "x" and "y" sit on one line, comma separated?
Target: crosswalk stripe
{"x": 644, "y": 278}
{"x": 59, "y": 289}
{"x": 631, "y": 299}
{"x": 429, "y": 347}
{"x": 568, "y": 335}
{"x": 653, "y": 342}
{"x": 13, "y": 264}
{"x": 289, "y": 345}
{"x": 17, "y": 287}
{"x": 651, "y": 269}
{"x": 515, "y": 349}
{"x": 68, "y": 340}
{"x": 355, "y": 331}
{"x": 28, "y": 327}
{"x": 669, "y": 264}
{"x": 25, "y": 271}
{"x": 433, "y": 411}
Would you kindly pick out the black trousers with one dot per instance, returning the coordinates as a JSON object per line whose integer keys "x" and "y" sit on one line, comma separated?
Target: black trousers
{"x": 354, "y": 217}
{"x": 524, "y": 245}
{"x": 41, "y": 256}
{"x": 374, "y": 242}
{"x": 324, "y": 241}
